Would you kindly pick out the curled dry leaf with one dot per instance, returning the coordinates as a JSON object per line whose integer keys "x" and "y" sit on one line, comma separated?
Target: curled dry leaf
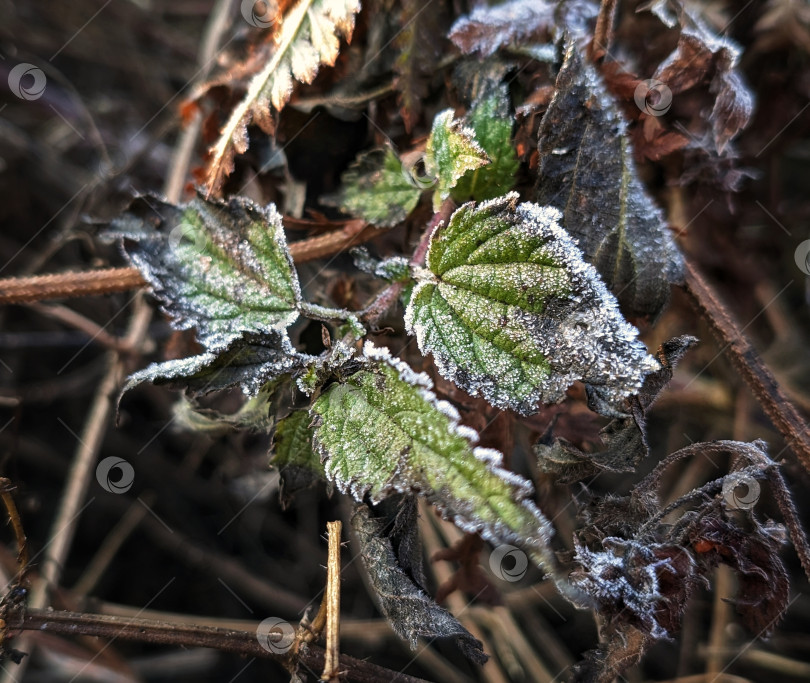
{"x": 308, "y": 37}
{"x": 411, "y": 612}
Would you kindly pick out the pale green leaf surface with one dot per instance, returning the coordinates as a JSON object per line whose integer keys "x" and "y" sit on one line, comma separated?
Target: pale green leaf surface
{"x": 511, "y": 311}
{"x": 489, "y": 119}
{"x": 383, "y": 431}
{"x": 451, "y": 151}
{"x": 292, "y": 443}
{"x": 378, "y": 189}
{"x": 220, "y": 267}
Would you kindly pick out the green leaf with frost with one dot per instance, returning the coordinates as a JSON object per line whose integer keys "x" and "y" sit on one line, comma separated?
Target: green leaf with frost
{"x": 249, "y": 362}
{"x": 382, "y": 431}
{"x": 451, "y": 151}
{"x": 511, "y": 311}
{"x": 220, "y": 267}
{"x": 489, "y": 119}
{"x": 378, "y": 189}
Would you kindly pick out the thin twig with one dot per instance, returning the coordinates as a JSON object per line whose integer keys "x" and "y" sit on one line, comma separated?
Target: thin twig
{"x": 759, "y": 378}
{"x": 6, "y": 487}
{"x": 189, "y": 635}
{"x": 331, "y": 664}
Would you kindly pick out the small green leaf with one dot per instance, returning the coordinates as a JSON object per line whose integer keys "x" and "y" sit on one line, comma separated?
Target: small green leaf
{"x": 378, "y": 189}
{"x": 451, "y": 151}
{"x": 489, "y": 118}
{"x": 220, "y": 267}
{"x": 510, "y": 311}
{"x": 293, "y": 455}
{"x": 382, "y": 431}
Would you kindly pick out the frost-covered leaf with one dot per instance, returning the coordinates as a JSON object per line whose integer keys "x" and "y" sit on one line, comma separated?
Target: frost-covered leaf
{"x": 378, "y": 189}
{"x": 411, "y": 612}
{"x": 587, "y": 171}
{"x": 307, "y": 37}
{"x": 220, "y": 267}
{"x": 248, "y": 362}
{"x": 625, "y": 438}
{"x": 298, "y": 464}
{"x": 382, "y": 431}
{"x": 511, "y": 312}
{"x": 451, "y": 151}
{"x": 509, "y": 24}
{"x": 490, "y": 120}
{"x": 424, "y": 27}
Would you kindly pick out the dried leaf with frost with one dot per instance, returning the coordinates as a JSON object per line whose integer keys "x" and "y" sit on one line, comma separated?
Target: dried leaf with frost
{"x": 511, "y": 311}
{"x": 411, "y": 612}
{"x": 382, "y": 431}
{"x": 587, "y": 171}
{"x": 222, "y": 268}
{"x": 249, "y": 362}
{"x": 308, "y": 37}
{"x": 509, "y": 24}
{"x": 704, "y": 56}
{"x": 625, "y": 438}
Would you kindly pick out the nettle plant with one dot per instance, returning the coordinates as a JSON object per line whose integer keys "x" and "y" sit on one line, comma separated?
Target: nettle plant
{"x": 514, "y": 298}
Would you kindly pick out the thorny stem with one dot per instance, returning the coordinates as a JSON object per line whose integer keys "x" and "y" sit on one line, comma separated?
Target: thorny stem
{"x": 756, "y": 374}
{"x": 112, "y": 280}
{"x": 6, "y": 487}
{"x": 189, "y": 635}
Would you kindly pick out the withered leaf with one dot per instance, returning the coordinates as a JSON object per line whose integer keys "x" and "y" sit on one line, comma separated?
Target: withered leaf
{"x": 249, "y": 362}
{"x": 587, "y": 171}
{"x": 410, "y": 611}
{"x": 625, "y": 438}
{"x": 704, "y": 56}
{"x": 512, "y": 23}
{"x": 308, "y": 37}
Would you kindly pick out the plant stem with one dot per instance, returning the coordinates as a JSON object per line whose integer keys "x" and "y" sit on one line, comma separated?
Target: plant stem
{"x": 189, "y": 635}
{"x": 756, "y": 374}
{"x": 112, "y": 280}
